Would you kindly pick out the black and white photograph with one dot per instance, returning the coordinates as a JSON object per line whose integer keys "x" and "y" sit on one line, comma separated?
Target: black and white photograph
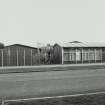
{"x": 52, "y": 52}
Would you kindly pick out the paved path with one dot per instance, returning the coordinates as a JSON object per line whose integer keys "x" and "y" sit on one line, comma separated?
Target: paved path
{"x": 42, "y": 84}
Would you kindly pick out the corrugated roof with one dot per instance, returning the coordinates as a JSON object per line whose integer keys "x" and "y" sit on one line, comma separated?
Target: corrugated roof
{"x": 21, "y": 46}
{"x": 82, "y": 44}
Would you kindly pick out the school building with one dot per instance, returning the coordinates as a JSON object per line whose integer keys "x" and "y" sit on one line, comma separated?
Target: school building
{"x": 79, "y": 52}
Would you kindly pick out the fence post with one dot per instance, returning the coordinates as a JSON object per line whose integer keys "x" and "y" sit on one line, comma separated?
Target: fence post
{"x": 89, "y": 55}
{"x": 24, "y": 56}
{"x": 101, "y": 56}
{"x": 95, "y": 55}
{"x": 9, "y": 54}
{"x": 62, "y": 55}
{"x": 38, "y": 56}
{"x": 2, "y": 102}
{"x": 2, "y": 57}
{"x": 82, "y": 56}
{"x": 76, "y": 55}
{"x": 31, "y": 57}
{"x": 17, "y": 57}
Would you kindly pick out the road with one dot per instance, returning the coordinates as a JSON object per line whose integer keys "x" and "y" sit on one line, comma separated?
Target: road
{"x": 53, "y": 83}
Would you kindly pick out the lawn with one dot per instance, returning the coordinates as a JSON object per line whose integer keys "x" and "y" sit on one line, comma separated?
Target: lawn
{"x": 54, "y": 83}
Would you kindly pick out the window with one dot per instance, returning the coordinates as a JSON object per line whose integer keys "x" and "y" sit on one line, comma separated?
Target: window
{"x": 66, "y": 56}
{"x": 78, "y": 55}
{"x": 85, "y": 56}
{"x": 72, "y": 56}
{"x": 98, "y": 54}
{"x": 91, "y": 56}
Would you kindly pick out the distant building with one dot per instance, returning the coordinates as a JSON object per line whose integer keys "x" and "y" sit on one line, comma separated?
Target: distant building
{"x": 18, "y": 55}
{"x": 78, "y": 52}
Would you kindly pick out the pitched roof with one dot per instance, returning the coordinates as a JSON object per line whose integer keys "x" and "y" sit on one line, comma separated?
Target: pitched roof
{"x": 82, "y": 44}
{"x": 21, "y": 46}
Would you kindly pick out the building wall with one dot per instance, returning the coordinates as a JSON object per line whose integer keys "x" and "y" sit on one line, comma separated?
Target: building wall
{"x": 72, "y": 55}
{"x": 83, "y": 55}
{"x": 17, "y": 56}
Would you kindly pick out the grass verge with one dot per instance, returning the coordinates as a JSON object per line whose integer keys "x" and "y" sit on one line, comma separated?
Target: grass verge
{"x": 96, "y": 99}
{"x": 46, "y": 68}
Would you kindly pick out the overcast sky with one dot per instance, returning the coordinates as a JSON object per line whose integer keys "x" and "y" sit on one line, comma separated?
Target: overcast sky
{"x": 33, "y": 21}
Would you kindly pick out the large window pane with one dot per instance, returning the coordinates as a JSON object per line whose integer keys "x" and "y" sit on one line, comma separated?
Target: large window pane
{"x": 98, "y": 54}
{"x": 78, "y": 55}
{"x": 91, "y": 56}
{"x": 72, "y": 56}
{"x": 85, "y": 56}
{"x": 66, "y": 56}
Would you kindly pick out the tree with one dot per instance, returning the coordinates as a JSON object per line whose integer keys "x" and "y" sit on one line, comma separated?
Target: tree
{"x": 46, "y": 54}
{"x": 1, "y": 45}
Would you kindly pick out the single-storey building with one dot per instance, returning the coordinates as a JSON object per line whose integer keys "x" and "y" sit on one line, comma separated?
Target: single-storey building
{"x": 18, "y": 55}
{"x": 79, "y": 52}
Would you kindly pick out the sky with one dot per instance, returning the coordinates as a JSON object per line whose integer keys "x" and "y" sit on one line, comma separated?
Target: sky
{"x": 51, "y": 21}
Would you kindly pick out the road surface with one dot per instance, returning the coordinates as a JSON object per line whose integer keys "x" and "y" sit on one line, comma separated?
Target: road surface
{"x": 53, "y": 83}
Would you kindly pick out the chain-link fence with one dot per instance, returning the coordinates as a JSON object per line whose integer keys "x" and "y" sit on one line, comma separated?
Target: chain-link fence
{"x": 29, "y": 57}
{"x": 18, "y": 57}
